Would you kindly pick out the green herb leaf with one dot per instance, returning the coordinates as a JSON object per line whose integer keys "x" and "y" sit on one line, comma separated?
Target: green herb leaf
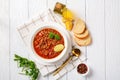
{"x": 54, "y": 36}
{"x": 51, "y": 35}
{"x": 28, "y": 67}
{"x": 57, "y": 37}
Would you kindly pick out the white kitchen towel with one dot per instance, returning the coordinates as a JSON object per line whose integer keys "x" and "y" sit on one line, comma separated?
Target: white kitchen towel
{"x": 25, "y": 31}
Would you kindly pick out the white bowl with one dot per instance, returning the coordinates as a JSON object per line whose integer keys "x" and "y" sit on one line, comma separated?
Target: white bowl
{"x": 87, "y": 69}
{"x": 65, "y": 35}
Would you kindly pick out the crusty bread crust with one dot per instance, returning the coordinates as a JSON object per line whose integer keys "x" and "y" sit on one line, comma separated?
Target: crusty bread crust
{"x": 83, "y": 35}
{"x": 83, "y": 42}
{"x": 79, "y": 26}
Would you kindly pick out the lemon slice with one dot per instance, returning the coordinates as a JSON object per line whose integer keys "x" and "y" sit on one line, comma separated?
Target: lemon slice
{"x": 58, "y": 47}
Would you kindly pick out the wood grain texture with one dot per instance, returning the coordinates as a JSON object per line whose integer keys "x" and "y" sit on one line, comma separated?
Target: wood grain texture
{"x": 96, "y": 51}
{"x": 103, "y": 21}
{"x": 18, "y": 15}
{"x": 36, "y": 7}
{"x": 4, "y": 40}
{"x": 112, "y": 26}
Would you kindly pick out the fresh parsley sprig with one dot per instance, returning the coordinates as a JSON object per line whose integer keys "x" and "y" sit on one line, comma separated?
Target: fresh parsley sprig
{"x": 28, "y": 67}
{"x": 54, "y": 36}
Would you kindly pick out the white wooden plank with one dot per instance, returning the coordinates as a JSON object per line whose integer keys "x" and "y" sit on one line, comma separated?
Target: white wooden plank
{"x": 4, "y": 41}
{"x": 18, "y": 15}
{"x": 51, "y": 5}
{"x": 78, "y": 8}
{"x": 112, "y": 26}
{"x": 96, "y": 51}
{"x": 35, "y": 8}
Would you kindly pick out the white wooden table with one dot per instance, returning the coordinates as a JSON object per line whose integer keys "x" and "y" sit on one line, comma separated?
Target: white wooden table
{"x": 103, "y": 21}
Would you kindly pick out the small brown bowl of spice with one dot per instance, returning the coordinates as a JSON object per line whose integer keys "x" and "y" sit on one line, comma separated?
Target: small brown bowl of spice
{"x": 83, "y": 69}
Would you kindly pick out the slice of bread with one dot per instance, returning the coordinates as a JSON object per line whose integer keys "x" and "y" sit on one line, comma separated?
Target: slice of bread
{"x": 83, "y": 42}
{"x": 79, "y": 26}
{"x": 83, "y": 35}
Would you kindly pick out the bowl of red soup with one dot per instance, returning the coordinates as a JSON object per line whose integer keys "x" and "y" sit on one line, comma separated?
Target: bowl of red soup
{"x": 50, "y": 42}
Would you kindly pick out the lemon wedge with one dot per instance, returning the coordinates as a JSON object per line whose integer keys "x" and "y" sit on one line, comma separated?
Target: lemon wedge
{"x": 58, "y": 47}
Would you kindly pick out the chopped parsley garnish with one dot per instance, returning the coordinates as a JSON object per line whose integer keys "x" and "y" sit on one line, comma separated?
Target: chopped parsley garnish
{"x": 54, "y": 36}
{"x": 57, "y": 37}
{"x": 28, "y": 67}
{"x": 51, "y": 35}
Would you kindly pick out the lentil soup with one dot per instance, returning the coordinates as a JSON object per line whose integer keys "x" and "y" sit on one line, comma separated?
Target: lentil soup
{"x": 44, "y": 45}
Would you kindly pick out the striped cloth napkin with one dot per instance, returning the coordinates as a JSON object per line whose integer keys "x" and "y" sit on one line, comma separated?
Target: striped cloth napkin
{"x": 25, "y": 33}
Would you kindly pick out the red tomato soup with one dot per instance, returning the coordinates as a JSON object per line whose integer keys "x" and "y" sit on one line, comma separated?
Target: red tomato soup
{"x": 44, "y": 45}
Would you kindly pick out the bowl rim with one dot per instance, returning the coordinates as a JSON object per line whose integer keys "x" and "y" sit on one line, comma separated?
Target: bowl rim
{"x": 58, "y": 28}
